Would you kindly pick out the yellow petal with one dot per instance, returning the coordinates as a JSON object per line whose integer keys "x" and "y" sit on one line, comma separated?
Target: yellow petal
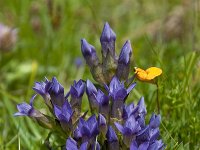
{"x": 153, "y": 72}
{"x": 140, "y": 74}
{"x": 147, "y": 75}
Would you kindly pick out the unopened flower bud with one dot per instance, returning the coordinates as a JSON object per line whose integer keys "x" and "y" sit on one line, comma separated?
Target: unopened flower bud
{"x": 124, "y": 61}
{"x": 109, "y": 58}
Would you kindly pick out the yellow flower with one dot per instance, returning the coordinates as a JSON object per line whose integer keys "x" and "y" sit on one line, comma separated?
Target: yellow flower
{"x": 147, "y": 75}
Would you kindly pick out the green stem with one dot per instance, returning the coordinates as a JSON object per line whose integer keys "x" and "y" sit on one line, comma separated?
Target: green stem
{"x": 157, "y": 99}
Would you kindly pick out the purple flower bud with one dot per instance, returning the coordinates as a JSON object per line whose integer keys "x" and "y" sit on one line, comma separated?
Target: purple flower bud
{"x": 124, "y": 61}
{"x": 89, "y": 53}
{"x": 108, "y": 34}
{"x": 91, "y": 93}
{"x": 109, "y": 58}
{"x": 141, "y": 107}
{"x": 56, "y": 92}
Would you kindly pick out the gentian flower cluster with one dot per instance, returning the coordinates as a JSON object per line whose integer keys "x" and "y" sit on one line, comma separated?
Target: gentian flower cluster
{"x": 109, "y": 123}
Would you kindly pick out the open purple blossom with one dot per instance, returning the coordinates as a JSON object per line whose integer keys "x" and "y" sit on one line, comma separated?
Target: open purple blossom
{"x": 42, "y": 89}
{"x": 76, "y": 91}
{"x": 28, "y": 110}
{"x": 129, "y": 130}
{"x": 64, "y": 115}
{"x": 118, "y": 92}
{"x": 87, "y": 130}
{"x": 128, "y": 110}
{"x": 154, "y": 121}
{"x": 71, "y": 144}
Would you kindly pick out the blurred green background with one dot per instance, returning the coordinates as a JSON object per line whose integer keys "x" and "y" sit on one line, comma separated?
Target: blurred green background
{"x": 163, "y": 33}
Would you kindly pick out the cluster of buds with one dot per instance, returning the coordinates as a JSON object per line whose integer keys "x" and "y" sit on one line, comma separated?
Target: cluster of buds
{"x": 109, "y": 123}
{"x": 111, "y": 65}
{"x": 8, "y": 37}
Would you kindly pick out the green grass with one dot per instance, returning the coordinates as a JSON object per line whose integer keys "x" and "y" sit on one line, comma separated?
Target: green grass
{"x": 51, "y": 50}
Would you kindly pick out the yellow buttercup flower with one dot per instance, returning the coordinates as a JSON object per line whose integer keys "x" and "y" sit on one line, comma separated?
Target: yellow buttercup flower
{"x": 147, "y": 75}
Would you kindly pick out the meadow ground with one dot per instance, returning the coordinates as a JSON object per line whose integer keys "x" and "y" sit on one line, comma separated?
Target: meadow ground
{"x": 163, "y": 33}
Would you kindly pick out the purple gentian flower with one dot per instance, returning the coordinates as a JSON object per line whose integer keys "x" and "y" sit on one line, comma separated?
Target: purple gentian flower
{"x": 89, "y": 53}
{"x": 64, "y": 115}
{"x": 154, "y": 124}
{"x": 56, "y": 92}
{"x": 107, "y": 40}
{"x": 118, "y": 92}
{"x": 109, "y": 58}
{"x": 28, "y": 110}
{"x": 42, "y": 89}
{"x": 76, "y": 92}
{"x": 129, "y": 130}
{"x": 91, "y": 92}
{"x": 71, "y": 144}
{"x": 141, "y": 112}
{"x": 87, "y": 130}
{"x": 155, "y": 121}
{"x": 128, "y": 110}
{"x": 124, "y": 61}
